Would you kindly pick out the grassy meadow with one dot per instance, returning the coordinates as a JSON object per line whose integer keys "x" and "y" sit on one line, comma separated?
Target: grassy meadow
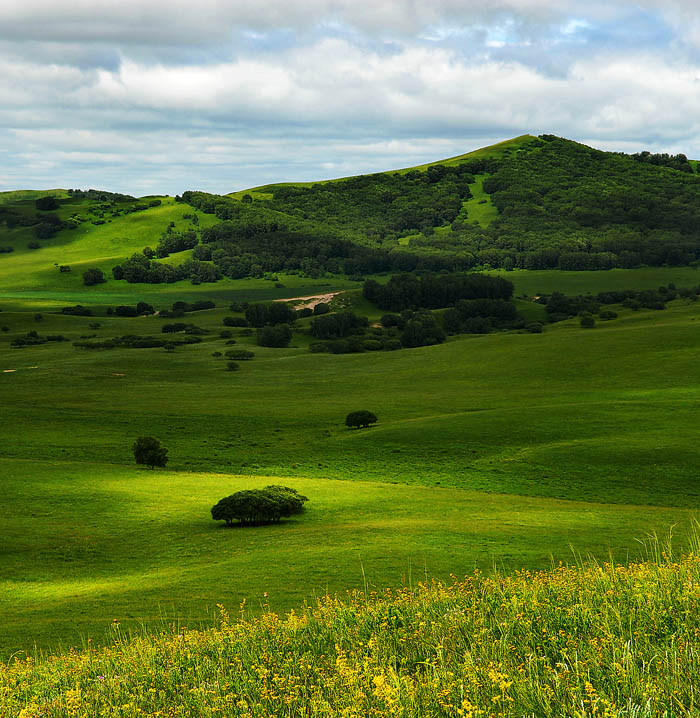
{"x": 503, "y": 450}
{"x": 590, "y": 640}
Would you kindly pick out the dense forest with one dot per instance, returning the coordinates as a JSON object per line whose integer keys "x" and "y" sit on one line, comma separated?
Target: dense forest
{"x": 559, "y": 204}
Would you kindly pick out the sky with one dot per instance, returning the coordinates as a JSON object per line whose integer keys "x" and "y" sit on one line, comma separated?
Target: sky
{"x": 153, "y": 97}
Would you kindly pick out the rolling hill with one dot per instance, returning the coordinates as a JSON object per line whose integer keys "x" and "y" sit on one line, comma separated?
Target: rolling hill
{"x": 528, "y": 203}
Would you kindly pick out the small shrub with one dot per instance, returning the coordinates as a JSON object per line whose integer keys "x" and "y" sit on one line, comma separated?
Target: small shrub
{"x": 360, "y": 419}
{"x": 239, "y": 354}
{"x": 93, "y": 276}
{"x": 587, "y": 321}
{"x": 232, "y": 366}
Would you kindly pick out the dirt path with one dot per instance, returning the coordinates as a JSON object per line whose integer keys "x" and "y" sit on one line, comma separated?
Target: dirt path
{"x": 311, "y": 301}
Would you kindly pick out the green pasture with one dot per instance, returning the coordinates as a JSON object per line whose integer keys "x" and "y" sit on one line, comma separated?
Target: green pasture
{"x": 501, "y": 450}
{"x": 87, "y": 543}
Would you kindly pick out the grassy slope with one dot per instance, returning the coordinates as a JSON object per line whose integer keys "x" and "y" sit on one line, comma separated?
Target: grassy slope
{"x": 492, "y": 436}
{"x": 589, "y": 641}
{"x": 498, "y": 150}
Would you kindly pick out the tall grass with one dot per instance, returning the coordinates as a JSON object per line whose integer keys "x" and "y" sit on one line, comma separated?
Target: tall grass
{"x": 588, "y": 640}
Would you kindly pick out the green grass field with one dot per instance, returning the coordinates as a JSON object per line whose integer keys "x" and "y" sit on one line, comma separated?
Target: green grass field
{"x": 502, "y": 449}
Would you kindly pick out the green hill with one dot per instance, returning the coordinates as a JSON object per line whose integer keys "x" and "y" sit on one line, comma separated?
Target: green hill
{"x": 526, "y": 203}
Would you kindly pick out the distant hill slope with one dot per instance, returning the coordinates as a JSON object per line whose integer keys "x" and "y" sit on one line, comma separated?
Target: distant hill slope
{"x": 529, "y": 202}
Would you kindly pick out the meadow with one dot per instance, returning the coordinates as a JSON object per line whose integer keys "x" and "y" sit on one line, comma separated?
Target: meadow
{"x": 588, "y": 640}
{"x": 502, "y": 450}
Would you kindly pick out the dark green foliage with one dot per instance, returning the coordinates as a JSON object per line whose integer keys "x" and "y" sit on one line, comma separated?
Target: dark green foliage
{"x": 174, "y": 327}
{"x": 172, "y": 242}
{"x": 33, "y": 245}
{"x": 383, "y": 202}
{"x": 239, "y": 354}
{"x": 409, "y": 291}
{"x": 78, "y": 311}
{"x": 232, "y": 366}
{"x": 133, "y": 341}
{"x": 276, "y": 336}
{"x": 259, "y": 506}
{"x": 48, "y": 226}
{"x": 360, "y": 419}
{"x": 587, "y": 321}
{"x": 148, "y": 451}
{"x": 139, "y": 268}
{"x": 335, "y": 326}
{"x": 235, "y": 322}
{"x": 32, "y": 339}
{"x": 607, "y": 315}
{"x": 421, "y": 329}
{"x": 46, "y": 204}
{"x": 144, "y": 308}
{"x": 305, "y": 312}
{"x": 225, "y": 334}
{"x": 321, "y": 308}
{"x": 258, "y": 315}
{"x": 622, "y": 210}
{"x": 125, "y": 311}
{"x": 93, "y": 276}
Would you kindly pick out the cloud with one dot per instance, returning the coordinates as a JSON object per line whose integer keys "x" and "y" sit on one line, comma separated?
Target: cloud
{"x": 224, "y": 95}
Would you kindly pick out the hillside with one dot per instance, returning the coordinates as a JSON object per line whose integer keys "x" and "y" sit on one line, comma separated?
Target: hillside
{"x": 527, "y": 203}
{"x": 597, "y": 640}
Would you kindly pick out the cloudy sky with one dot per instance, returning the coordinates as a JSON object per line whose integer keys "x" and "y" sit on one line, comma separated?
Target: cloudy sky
{"x": 149, "y": 96}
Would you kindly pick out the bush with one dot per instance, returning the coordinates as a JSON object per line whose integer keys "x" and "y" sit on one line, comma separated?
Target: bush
{"x": 145, "y": 308}
{"x": 607, "y": 315}
{"x": 276, "y": 336}
{"x": 240, "y": 354}
{"x": 149, "y": 451}
{"x": 126, "y": 311}
{"x": 321, "y": 308}
{"x": 235, "y": 322}
{"x": 587, "y": 321}
{"x": 259, "y": 506}
{"x": 78, "y": 311}
{"x": 93, "y": 276}
{"x": 360, "y": 419}
{"x": 46, "y": 204}
{"x": 232, "y": 366}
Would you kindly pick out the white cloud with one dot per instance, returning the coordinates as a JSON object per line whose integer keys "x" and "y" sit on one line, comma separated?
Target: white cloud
{"x": 222, "y": 95}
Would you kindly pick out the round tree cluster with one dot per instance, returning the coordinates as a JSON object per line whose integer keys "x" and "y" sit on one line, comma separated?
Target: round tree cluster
{"x": 253, "y": 507}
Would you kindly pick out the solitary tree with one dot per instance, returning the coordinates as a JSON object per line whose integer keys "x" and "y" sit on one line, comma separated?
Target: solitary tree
{"x": 259, "y": 506}
{"x": 148, "y": 451}
{"x": 360, "y": 419}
